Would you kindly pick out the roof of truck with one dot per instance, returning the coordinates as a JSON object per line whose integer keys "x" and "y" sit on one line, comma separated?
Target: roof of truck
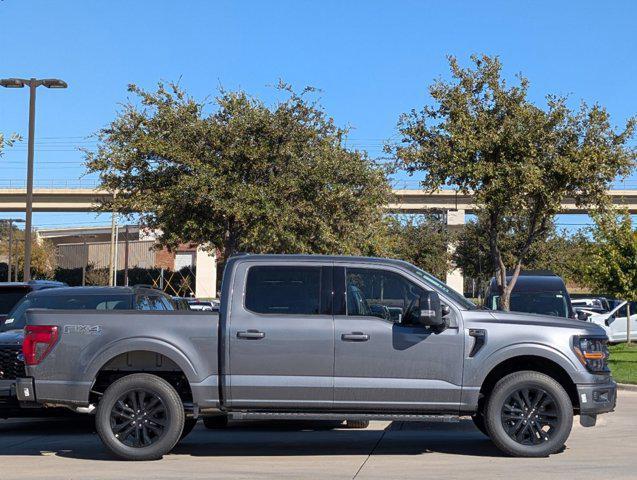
{"x": 544, "y": 281}
{"x": 319, "y": 258}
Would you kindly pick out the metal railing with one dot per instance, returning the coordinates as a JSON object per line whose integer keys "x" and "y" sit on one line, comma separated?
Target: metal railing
{"x": 50, "y": 183}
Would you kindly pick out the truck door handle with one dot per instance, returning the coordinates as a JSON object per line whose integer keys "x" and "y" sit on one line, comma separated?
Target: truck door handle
{"x": 251, "y": 335}
{"x": 355, "y": 337}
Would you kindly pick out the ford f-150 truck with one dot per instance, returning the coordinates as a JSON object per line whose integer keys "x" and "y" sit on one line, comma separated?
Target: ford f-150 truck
{"x": 320, "y": 338}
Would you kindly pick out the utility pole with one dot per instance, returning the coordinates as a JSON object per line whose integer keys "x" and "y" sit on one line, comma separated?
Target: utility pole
{"x": 84, "y": 262}
{"x": 126, "y": 257}
{"x": 32, "y": 83}
{"x": 9, "y": 267}
{"x": 112, "y": 272}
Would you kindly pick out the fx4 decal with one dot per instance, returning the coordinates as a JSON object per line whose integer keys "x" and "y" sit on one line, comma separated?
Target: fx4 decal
{"x": 83, "y": 329}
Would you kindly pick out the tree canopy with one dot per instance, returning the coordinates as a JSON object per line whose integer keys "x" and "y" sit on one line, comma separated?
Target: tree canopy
{"x": 612, "y": 265}
{"x": 483, "y": 136}
{"x": 559, "y": 252}
{"x": 422, "y": 241}
{"x": 245, "y": 176}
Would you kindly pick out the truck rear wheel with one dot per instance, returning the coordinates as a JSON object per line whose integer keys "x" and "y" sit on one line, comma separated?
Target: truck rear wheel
{"x": 140, "y": 417}
{"x": 529, "y": 414}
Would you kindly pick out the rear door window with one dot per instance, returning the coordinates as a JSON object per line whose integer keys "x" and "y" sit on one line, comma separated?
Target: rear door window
{"x": 284, "y": 290}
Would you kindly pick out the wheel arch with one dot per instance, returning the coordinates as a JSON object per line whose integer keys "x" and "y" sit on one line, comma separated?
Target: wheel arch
{"x": 531, "y": 362}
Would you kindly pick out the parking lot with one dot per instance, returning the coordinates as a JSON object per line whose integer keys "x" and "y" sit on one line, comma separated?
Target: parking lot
{"x": 63, "y": 449}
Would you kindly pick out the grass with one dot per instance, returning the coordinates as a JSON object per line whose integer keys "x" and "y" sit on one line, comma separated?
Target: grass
{"x": 623, "y": 362}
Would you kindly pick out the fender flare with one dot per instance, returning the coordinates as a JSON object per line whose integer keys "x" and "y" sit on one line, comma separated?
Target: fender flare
{"x": 525, "y": 349}
{"x": 147, "y": 344}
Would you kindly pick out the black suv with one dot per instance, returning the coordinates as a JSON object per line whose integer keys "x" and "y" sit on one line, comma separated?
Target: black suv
{"x": 62, "y": 298}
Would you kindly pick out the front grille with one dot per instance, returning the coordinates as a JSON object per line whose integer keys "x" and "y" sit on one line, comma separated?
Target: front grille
{"x": 10, "y": 366}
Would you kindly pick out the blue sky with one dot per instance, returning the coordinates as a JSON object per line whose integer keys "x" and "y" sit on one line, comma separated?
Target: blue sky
{"x": 371, "y": 59}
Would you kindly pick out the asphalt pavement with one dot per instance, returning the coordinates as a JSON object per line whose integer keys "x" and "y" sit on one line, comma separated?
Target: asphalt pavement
{"x": 69, "y": 449}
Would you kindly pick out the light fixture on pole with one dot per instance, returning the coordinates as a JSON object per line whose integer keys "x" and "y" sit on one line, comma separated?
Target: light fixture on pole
{"x": 32, "y": 83}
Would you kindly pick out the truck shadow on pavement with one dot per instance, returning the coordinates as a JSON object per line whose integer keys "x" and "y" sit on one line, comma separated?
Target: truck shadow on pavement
{"x": 77, "y": 439}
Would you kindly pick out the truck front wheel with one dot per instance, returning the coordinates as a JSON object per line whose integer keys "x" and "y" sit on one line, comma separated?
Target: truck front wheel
{"x": 140, "y": 417}
{"x": 529, "y": 414}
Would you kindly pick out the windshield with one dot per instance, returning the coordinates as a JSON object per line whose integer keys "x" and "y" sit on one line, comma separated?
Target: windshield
{"x": 17, "y": 317}
{"x": 543, "y": 303}
{"x": 9, "y": 297}
{"x": 443, "y": 288}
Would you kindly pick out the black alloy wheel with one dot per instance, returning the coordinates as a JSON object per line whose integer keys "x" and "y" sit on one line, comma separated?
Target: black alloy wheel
{"x": 138, "y": 418}
{"x": 530, "y": 416}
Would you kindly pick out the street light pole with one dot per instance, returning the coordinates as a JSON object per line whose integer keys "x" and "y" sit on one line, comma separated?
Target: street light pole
{"x": 33, "y": 83}
{"x": 9, "y": 269}
{"x": 29, "y": 209}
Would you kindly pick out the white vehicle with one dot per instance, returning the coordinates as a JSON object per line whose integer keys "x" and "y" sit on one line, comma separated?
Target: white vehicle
{"x": 614, "y": 322}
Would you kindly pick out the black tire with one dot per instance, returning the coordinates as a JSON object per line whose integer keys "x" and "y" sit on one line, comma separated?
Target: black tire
{"x": 529, "y": 414}
{"x": 215, "y": 422}
{"x": 189, "y": 425}
{"x": 356, "y": 423}
{"x": 134, "y": 399}
{"x": 478, "y": 421}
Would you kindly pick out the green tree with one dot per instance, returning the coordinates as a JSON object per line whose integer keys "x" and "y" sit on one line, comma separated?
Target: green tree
{"x": 563, "y": 254}
{"x": 520, "y": 162}
{"x": 8, "y": 142}
{"x": 43, "y": 258}
{"x": 244, "y": 177}
{"x": 613, "y": 263}
{"x": 422, "y": 241}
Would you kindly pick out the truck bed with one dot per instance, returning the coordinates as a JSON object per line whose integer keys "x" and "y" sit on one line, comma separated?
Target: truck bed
{"x": 121, "y": 340}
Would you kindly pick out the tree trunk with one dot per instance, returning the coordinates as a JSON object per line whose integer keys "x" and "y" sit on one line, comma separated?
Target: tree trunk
{"x": 506, "y": 293}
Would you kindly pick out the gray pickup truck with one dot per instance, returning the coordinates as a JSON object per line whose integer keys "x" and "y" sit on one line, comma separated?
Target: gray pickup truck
{"x": 320, "y": 338}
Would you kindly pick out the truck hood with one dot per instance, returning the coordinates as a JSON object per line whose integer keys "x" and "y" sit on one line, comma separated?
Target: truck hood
{"x": 11, "y": 337}
{"x": 518, "y": 318}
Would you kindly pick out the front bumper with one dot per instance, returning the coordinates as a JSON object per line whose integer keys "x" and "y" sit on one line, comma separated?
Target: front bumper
{"x": 597, "y": 398}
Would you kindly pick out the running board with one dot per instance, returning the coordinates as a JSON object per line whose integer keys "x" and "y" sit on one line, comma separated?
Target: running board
{"x": 392, "y": 417}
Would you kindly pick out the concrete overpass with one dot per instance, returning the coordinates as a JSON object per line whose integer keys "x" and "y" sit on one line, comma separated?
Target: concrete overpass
{"x": 406, "y": 201}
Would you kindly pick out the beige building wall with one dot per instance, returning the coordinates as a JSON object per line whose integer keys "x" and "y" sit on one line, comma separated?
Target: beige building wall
{"x": 75, "y": 255}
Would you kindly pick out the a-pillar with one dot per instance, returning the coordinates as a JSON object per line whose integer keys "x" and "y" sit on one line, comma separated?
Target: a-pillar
{"x": 206, "y": 274}
{"x": 455, "y": 224}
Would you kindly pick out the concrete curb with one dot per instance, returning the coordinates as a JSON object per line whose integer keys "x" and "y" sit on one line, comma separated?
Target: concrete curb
{"x": 627, "y": 386}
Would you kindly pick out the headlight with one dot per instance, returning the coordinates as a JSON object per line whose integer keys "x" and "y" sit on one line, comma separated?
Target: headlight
{"x": 592, "y": 352}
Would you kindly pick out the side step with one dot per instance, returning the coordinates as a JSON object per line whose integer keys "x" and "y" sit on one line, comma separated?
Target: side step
{"x": 392, "y": 417}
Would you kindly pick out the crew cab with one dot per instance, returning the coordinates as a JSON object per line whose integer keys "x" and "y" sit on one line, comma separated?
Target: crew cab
{"x": 320, "y": 338}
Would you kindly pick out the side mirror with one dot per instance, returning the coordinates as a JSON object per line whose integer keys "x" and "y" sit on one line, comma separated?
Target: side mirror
{"x": 430, "y": 310}
{"x": 582, "y": 315}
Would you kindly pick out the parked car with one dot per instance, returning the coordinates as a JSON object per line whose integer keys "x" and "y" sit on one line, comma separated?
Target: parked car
{"x": 12, "y": 292}
{"x": 536, "y": 291}
{"x": 591, "y": 304}
{"x": 181, "y": 303}
{"x": 61, "y": 298}
{"x": 614, "y": 322}
{"x": 289, "y": 343}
